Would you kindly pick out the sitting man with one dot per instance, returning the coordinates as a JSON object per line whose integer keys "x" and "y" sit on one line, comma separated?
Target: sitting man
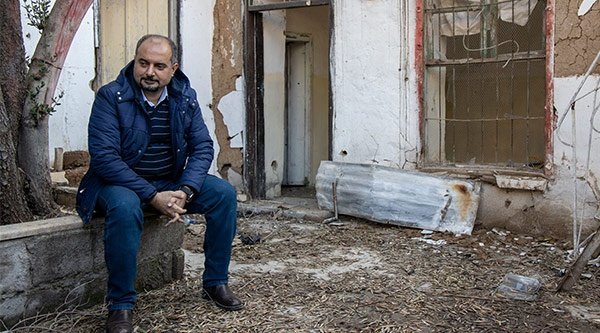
{"x": 150, "y": 147}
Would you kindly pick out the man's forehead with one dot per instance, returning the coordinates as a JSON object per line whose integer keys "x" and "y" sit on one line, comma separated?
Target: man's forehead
{"x": 156, "y": 45}
{"x": 147, "y": 52}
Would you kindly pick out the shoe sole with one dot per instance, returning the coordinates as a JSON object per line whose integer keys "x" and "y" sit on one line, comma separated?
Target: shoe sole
{"x": 206, "y": 296}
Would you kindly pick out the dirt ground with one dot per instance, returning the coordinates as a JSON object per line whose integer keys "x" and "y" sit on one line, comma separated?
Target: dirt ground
{"x": 359, "y": 276}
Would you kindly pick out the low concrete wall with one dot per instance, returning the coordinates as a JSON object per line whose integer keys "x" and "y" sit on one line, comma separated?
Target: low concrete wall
{"x": 59, "y": 262}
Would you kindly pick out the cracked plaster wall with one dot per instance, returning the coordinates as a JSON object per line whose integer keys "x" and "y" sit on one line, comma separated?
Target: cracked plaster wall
{"x": 577, "y": 39}
{"x": 211, "y": 38}
{"x": 227, "y": 88}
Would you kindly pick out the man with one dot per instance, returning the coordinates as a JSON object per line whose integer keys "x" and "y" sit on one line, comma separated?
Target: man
{"x": 150, "y": 147}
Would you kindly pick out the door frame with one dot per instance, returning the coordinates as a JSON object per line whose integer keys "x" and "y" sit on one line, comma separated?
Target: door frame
{"x": 254, "y": 152}
{"x": 292, "y": 37}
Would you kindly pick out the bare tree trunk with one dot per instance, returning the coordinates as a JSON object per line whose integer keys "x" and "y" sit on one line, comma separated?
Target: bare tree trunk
{"x": 13, "y": 208}
{"x": 42, "y": 78}
{"x": 13, "y": 67}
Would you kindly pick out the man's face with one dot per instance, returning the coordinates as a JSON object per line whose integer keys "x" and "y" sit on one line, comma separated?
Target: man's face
{"x": 152, "y": 68}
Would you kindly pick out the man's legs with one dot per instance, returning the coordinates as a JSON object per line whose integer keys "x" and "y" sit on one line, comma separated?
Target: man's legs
{"x": 123, "y": 227}
{"x": 217, "y": 201}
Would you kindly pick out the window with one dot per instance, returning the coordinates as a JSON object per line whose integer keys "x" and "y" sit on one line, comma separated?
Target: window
{"x": 484, "y": 83}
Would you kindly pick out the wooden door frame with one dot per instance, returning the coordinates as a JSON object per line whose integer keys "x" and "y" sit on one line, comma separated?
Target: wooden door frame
{"x": 254, "y": 151}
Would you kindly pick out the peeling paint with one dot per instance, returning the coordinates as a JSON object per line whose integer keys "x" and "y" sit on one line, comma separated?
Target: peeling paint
{"x": 226, "y": 69}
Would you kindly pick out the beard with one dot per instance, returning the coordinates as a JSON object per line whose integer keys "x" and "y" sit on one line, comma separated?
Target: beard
{"x": 149, "y": 85}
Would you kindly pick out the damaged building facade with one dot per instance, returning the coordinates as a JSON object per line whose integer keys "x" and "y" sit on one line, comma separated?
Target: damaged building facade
{"x": 481, "y": 89}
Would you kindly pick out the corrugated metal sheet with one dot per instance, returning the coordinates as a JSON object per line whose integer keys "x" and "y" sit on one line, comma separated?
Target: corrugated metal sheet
{"x": 400, "y": 197}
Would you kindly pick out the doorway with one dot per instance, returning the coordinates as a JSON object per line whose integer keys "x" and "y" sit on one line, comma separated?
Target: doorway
{"x": 297, "y": 112}
{"x": 288, "y": 129}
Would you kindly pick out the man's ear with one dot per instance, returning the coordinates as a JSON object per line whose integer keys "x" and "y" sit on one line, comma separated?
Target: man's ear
{"x": 175, "y": 67}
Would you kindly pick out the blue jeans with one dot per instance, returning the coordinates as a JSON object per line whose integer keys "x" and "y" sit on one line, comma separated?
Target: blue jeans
{"x": 124, "y": 221}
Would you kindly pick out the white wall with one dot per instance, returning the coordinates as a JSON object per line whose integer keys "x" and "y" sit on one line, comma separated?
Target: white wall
{"x": 274, "y": 100}
{"x": 197, "y": 26}
{"x": 564, "y": 156}
{"x": 68, "y": 125}
{"x": 375, "y": 118}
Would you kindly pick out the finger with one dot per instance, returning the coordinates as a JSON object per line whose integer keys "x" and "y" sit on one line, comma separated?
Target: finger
{"x": 179, "y": 194}
{"x": 177, "y": 209}
{"x": 176, "y": 218}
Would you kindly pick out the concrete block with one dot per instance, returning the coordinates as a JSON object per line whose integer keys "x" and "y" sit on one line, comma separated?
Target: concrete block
{"x": 58, "y": 255}
{"x": 59, "y": 263}
{"x": 58, "y": 178}
{"x": 65, "y": 195}
{"x": 44, "y": 300}
{"x": 12, "y": 309}
{"x": 154, "y": 272}
{"x": 158, "y": 239}
{"x": 14, "y": 268}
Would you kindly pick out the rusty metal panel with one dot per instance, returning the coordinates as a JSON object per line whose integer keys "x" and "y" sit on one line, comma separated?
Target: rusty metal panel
{"x": 400, "y": 197}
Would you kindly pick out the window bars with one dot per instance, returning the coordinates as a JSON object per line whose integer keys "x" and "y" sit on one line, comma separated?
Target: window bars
{"x": 484, "y": 82}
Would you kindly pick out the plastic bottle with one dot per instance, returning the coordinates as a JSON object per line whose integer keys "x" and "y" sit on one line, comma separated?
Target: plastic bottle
{"x": 519, "y": 287}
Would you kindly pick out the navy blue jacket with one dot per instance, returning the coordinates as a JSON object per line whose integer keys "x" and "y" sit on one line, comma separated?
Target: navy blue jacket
{"x": 118, "y": 135}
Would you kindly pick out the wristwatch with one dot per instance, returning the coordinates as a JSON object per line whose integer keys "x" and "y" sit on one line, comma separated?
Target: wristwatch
{"x": 189, "y": 192}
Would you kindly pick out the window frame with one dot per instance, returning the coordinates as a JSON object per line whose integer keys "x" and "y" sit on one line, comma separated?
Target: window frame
{"x": 482, "y": 171}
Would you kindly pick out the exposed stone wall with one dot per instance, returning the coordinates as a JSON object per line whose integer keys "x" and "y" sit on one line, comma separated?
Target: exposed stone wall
{"x": 227, "y": 67}
{"x": 59, "y": 263}
{"x": 577, "y": 39}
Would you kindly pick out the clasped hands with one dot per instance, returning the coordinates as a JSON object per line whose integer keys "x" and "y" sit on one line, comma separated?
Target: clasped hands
{"x": 170, "y": 204}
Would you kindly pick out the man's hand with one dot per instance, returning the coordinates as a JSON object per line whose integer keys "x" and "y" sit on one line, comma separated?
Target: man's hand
{"x": 170, "y": 203}
{"x": 179, "y": 198}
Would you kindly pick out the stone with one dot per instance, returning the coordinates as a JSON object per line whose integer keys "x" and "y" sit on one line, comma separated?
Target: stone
{"x": 75, "y": 175}
{"x": 76, "y": 158}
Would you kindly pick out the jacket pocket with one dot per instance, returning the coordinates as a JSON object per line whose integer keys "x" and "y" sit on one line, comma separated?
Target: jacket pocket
{"x": 133, "y": 143}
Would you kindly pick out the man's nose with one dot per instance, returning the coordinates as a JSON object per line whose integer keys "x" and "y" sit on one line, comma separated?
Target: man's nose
{"x": 150, "y": 71}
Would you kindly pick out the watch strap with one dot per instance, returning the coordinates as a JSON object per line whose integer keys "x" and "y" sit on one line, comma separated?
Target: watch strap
{"x": 189, "y": 192}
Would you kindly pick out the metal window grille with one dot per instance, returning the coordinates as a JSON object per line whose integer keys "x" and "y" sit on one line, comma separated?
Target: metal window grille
{"x": 484, "y": 84}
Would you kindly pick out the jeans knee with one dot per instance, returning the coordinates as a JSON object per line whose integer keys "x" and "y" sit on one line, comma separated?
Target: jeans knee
{"x": 126, "y": 205}
{"x": 228, "y": 193}
{"x": 122, "y": 206}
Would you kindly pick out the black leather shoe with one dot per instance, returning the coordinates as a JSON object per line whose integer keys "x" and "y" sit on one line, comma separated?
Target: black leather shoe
{"x": 223, "y": 297}
{"x": 119, "y": 321}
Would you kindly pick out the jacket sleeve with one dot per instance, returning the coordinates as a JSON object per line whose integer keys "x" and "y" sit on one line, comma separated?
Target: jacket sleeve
{"x": 200, "y": 150}
{"x": 104, "y": 144}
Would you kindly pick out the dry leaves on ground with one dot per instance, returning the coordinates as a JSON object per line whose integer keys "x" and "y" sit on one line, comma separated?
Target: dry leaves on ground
{"x": 358, "y": 276}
